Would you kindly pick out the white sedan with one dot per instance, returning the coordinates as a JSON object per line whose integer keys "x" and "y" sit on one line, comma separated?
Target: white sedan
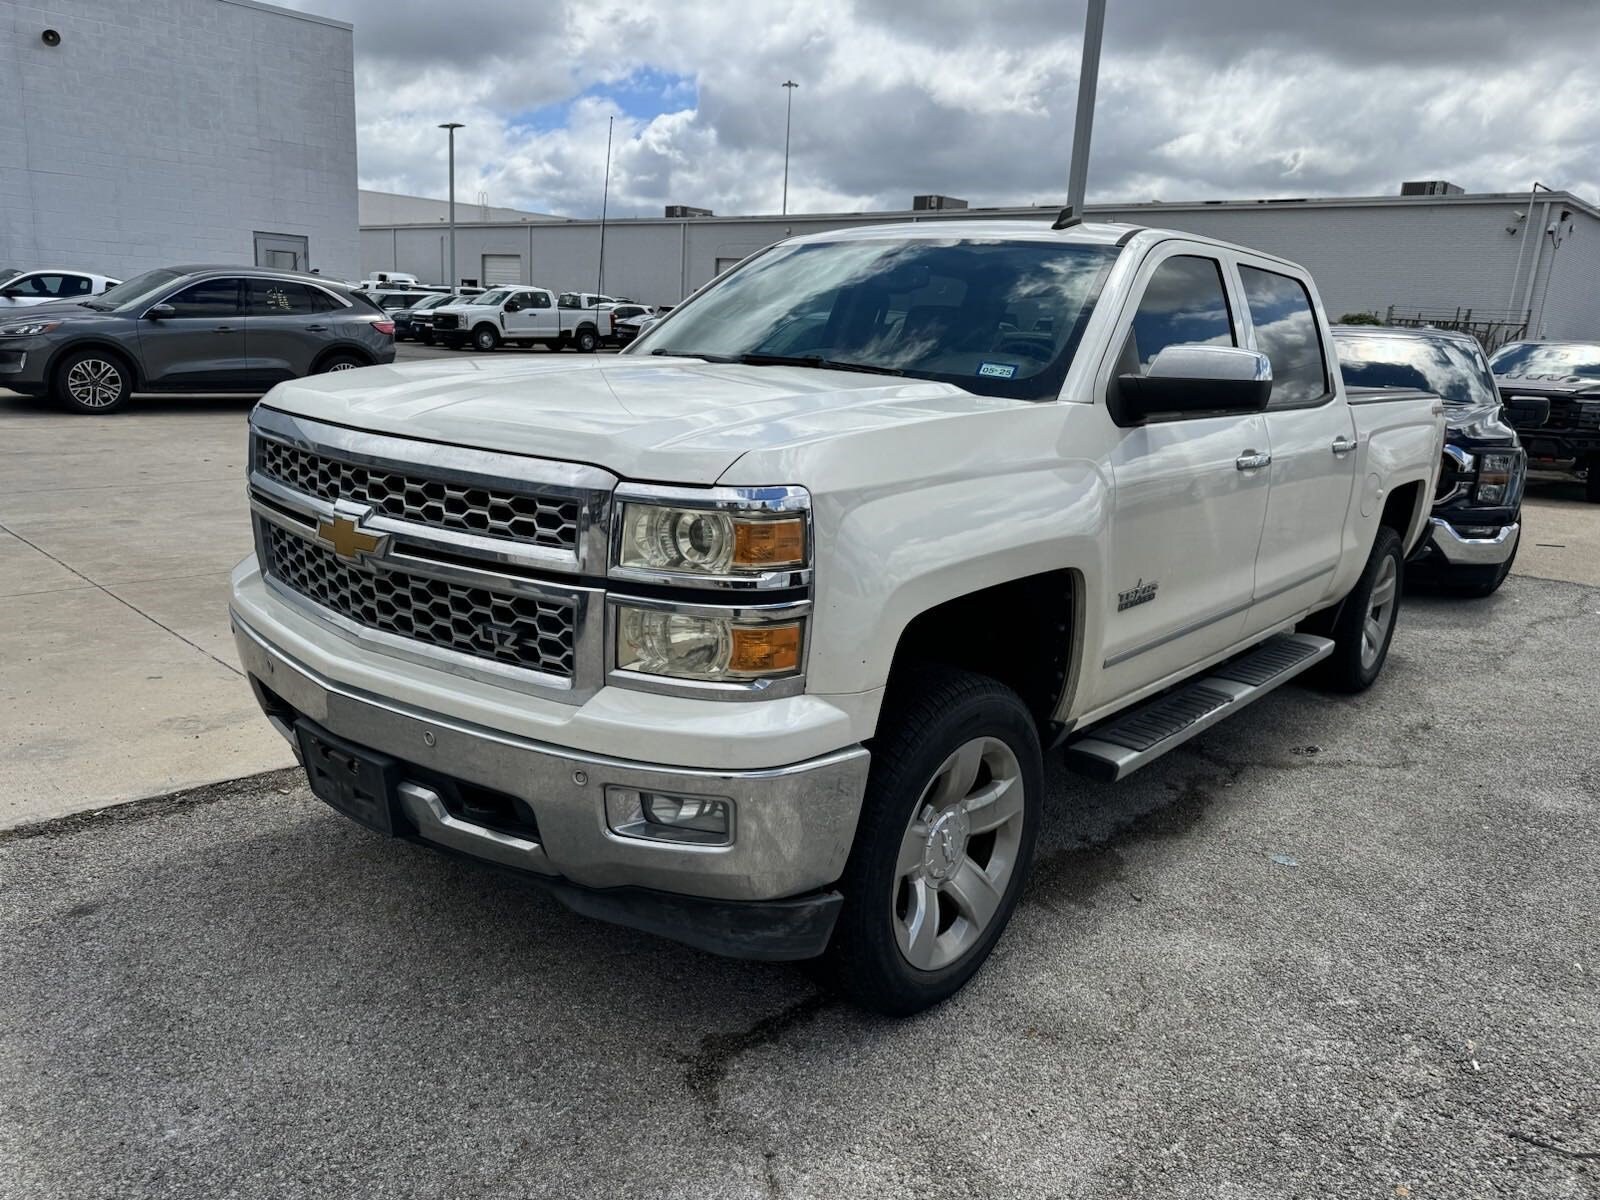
{"x": 19, "y": 289}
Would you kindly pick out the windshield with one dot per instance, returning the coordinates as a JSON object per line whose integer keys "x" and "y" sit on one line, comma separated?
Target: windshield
{"x": 996, "y": 317}
{"x": 436, "y": 301}
{"x": 138, "y": 290}
{"x": 1559, "y": 361}
{"x": 495, "y": 297}
{"x": 9, "y": 273}
{"x": 1452, "y": 369}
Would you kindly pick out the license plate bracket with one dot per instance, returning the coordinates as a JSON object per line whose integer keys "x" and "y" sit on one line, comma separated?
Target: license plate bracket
{"x": 350, "y": 779}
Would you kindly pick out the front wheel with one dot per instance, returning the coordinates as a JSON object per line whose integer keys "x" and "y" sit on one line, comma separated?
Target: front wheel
{"x": 946, "y": 835}
{"x": 485, "y": 338}
{"x": 94, "y": 381}
{"x": 1365, "y": 625}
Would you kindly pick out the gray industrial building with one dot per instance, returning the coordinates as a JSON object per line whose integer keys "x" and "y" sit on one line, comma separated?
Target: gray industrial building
{"x": 141, "y": 134}
{"x": 1435, "y": 253}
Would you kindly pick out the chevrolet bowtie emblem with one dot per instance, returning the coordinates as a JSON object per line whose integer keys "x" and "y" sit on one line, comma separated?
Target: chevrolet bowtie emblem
{"x": 346, "y": 540}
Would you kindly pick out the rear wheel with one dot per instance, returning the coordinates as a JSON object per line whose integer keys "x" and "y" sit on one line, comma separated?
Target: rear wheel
{"x": 94, "y": 381}
{"x": 340, "y": 362}
{"x": 945, "y": 839}
{"x": 485, "y": 337}
{"x": 1365, "y": 624}
{"x": 587, "y": 341}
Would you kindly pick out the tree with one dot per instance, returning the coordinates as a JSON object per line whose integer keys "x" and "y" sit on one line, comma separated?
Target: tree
{"x": 1361, "y": 318}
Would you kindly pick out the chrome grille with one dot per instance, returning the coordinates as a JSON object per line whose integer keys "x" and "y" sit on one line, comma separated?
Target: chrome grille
{"x": 491, "y": 512}
{"x": 535, "y": 633}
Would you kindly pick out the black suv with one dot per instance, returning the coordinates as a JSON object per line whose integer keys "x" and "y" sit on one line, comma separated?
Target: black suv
{"x": 191, "y": 329}
{"x": 1477, "y": 509}
{"x": 1552, "y": 395}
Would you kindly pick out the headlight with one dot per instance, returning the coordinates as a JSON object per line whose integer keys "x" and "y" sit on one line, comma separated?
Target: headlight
{"x": 706, "y": 647}
{"x": 699, "y": 539}
{"x": 29, "y": 328}
{"x": 1498, "y": 472}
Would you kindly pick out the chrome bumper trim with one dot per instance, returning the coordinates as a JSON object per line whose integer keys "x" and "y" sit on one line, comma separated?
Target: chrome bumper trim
{"x": 795, "y": 823}
{"x": 1461, "y": 551}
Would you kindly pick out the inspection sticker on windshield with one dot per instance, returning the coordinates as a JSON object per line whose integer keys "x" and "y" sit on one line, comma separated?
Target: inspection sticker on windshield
{"x": 998, "y": 370}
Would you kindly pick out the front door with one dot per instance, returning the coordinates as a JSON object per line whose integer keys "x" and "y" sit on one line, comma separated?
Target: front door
{"x": 1312, "y": 441}
{"x": 200, "y": 345}
{"x": 524, "y": 322}
{"x": 1189, "y": 499}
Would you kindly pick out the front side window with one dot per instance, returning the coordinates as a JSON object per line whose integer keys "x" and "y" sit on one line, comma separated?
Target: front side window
{"x": 74, "y": 285}
{"x": 1549, "y": 360}
{"x": 211, "y": 298}
{"x": 1448, "y": 367}
{"x": 37, "y": 285}
{"x": 1184, "y": 304}
{"x": 1286, "y": 332}
{"x": 996, "y": 317}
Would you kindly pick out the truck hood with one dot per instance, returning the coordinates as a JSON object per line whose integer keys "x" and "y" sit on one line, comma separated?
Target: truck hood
{"x": 1549, "y": 385}
{"x": 669, "y": 420}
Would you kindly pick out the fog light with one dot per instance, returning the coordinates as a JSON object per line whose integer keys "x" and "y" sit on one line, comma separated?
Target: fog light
{"x": 662, "y": 817}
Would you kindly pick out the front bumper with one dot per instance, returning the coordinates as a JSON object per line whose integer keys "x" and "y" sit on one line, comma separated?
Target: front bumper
{"x": 761, "y": 897}
{"x": 22, "y": 362}
{"x": 1459, "y": 550}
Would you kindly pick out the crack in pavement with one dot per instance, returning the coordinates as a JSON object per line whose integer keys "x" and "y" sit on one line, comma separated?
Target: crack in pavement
{"x": 1539, "y": 1143}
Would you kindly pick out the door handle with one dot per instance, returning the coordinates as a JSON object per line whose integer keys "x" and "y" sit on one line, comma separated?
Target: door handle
{"x": 317, "y": 328}
{"x": 1342, "y": 446}
{"x": 1252, "y": 460}
{"x": 223, "y": 329}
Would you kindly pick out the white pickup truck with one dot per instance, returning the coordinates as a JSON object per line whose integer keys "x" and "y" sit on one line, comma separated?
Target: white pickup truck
{"x": 756, "y": 635}
{"x": 522, "y": 316}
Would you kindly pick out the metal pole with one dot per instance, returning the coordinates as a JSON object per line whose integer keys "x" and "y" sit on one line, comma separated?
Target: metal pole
{"x": 605, "y": 196}
{"x": 452, "y": 126}
{"x": 788, "y": 119}
{"x": 1094, "y": 25}
{"x": 1522, "y": 246}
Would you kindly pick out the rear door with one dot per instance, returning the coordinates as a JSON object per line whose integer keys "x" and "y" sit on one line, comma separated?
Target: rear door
{"x": 1312, "y": 439}
{"x": 288, "y": 324}
{"x": 200, "y": 346}
{"x": 1188, "y": 503}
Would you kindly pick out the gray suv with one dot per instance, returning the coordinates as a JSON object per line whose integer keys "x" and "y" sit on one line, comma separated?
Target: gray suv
{"x": 191, "y": 329}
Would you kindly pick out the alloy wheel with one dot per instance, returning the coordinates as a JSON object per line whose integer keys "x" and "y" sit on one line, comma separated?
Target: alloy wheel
{"x": 1380, "y": 613}
{"x": 94, "y": 383}
{"x": 958, "y": 854}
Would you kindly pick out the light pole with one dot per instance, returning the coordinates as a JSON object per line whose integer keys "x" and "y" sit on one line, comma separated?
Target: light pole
{"x": 1094, "y": 24}
{"x": 789, "y": 86}
{"x": 452, "y": 126}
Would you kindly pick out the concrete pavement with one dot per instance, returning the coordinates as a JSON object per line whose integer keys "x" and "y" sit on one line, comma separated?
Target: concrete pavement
{"x": 1334, "y": 947}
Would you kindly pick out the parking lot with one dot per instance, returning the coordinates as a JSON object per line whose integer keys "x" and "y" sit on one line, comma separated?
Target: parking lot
{"x": 1331, "y": 947}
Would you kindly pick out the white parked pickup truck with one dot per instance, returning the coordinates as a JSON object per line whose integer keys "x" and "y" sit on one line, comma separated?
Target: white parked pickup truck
{"x": 522, "y": 316}
{"x": 756, "y": 634}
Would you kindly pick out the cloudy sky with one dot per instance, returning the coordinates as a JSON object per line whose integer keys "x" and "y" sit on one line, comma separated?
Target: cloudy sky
{"x": 1198, "y": 99}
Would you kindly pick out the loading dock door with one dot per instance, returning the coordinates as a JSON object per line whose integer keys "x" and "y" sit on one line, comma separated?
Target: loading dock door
{"x": 501, "y": 269}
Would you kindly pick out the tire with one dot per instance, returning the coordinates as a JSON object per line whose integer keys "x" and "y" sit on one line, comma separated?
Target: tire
{"x": 485, "y": 337}
{"x": 918, "y": 923}
{"x": 1360, "y": 648}
{"x": 427, "y": 338}
{"x": 341, "y": 361}
{"x": 1591, "y": 485}
{"x": 587, "y": 341}
{"x": 93, "y": 381}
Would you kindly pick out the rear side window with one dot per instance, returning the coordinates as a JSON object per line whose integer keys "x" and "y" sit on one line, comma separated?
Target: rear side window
{"x": 75, "y": 285}
{"x": 211, "y": 298}
{"x": 1286, "y": 332}
{"x": 282, "y": 298}
{"x": 1184, "y": 304}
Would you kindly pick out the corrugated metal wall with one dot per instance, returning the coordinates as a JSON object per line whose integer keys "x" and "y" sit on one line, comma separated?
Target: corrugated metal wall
{"x": 1430, "y": 254}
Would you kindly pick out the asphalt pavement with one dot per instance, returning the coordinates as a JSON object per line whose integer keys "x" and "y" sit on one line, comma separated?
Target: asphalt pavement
{"x": 1335, "y": 947}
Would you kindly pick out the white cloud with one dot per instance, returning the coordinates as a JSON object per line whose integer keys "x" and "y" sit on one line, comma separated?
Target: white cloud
{"x": 1236, "y": 98}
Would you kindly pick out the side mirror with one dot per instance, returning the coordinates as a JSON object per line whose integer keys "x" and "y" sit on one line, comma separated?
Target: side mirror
{"x": 10, "y": 293}
{"x": 156, "y": 311}
{"x": 513, "y": 306}
{"x": 1196, "y": 379}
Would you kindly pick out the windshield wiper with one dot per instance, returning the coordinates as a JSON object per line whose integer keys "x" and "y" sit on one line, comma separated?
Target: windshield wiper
{"x": 816, "y": 361}
{"x": 700, "y": 354}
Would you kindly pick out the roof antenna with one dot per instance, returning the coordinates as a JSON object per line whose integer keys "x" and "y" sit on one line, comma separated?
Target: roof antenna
{"x": 1067, "y": 219}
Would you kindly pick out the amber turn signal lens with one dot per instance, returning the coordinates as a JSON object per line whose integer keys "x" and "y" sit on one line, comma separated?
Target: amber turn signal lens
{"x": 780, "y": 543}
{"x": 765, "y": 649}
